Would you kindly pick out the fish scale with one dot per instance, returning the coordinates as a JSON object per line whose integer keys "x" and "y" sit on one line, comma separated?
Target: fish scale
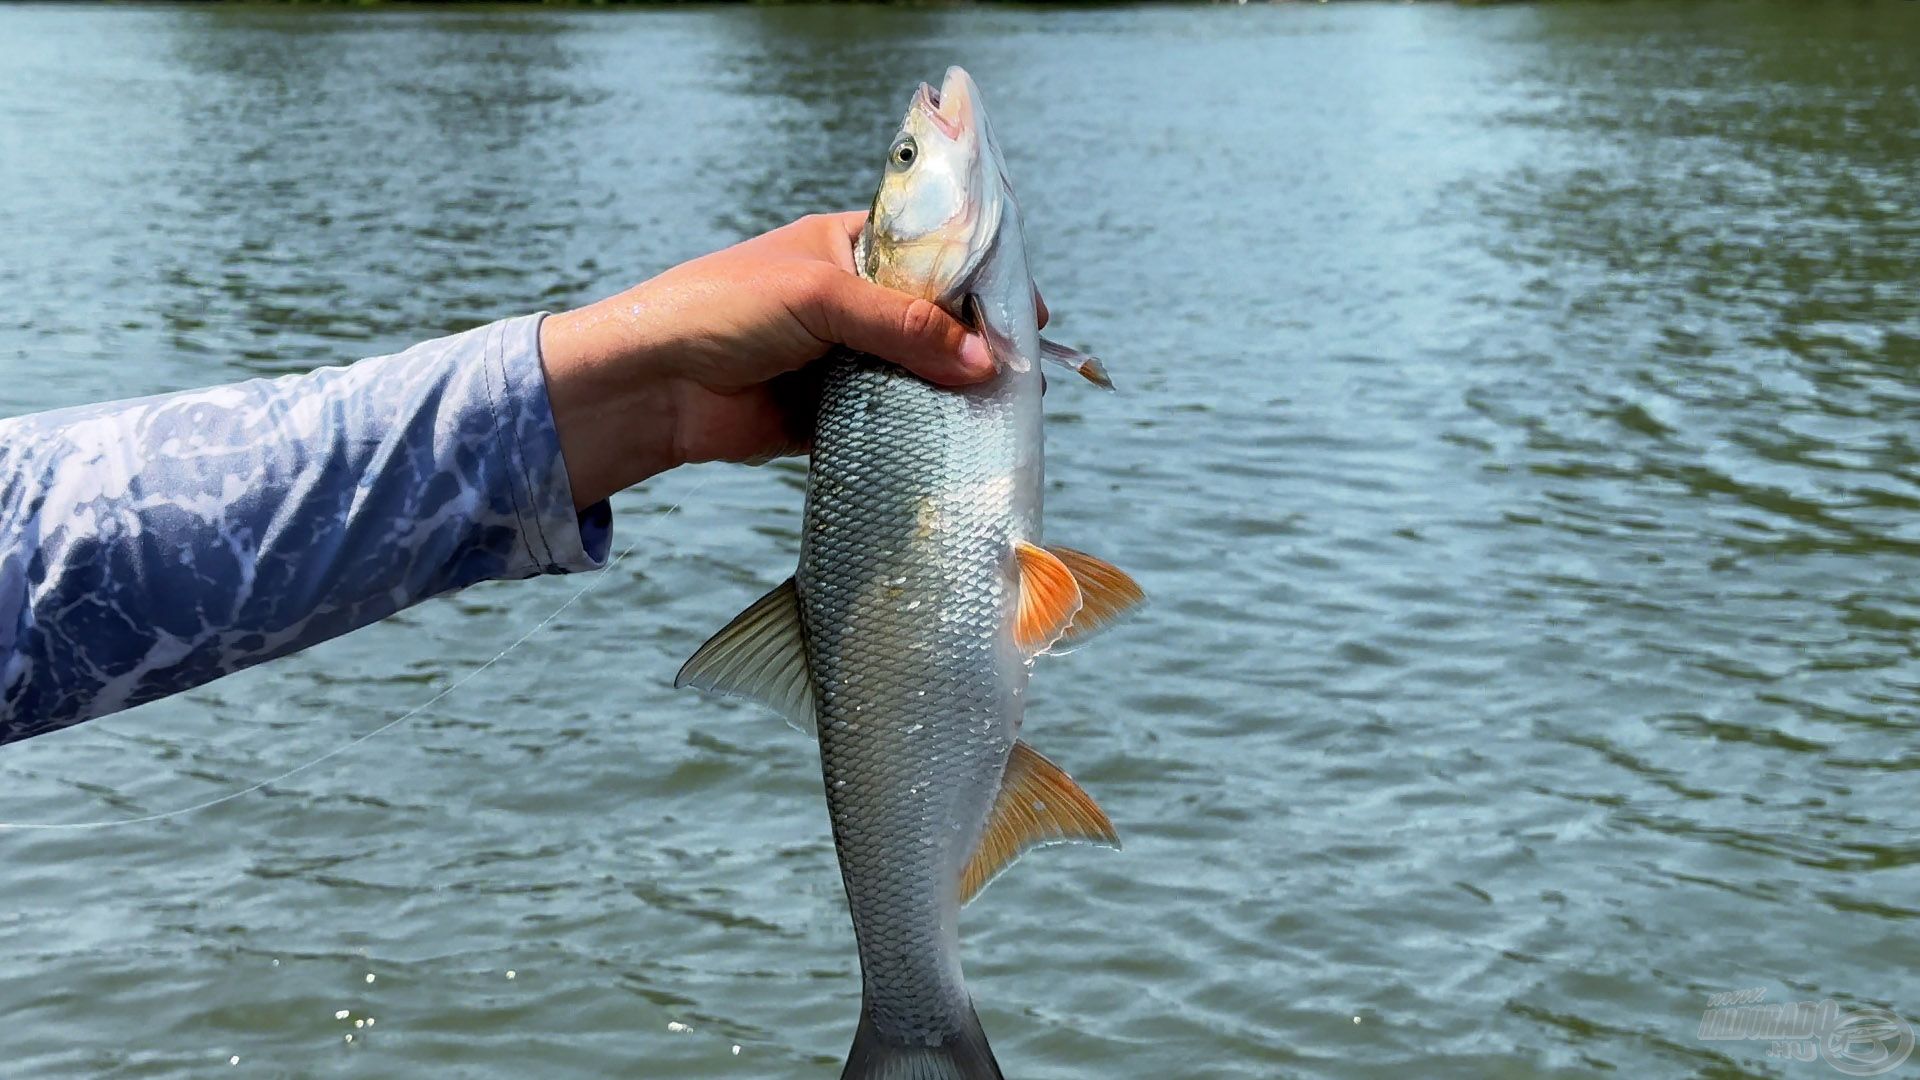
{"x": 905, "y": 593}
{"x": 904, "y": 638}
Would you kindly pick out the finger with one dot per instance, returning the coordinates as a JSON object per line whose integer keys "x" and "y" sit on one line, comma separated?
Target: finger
{"x": 850, "y": 220}
{"x": 854, "y": 220}
{"x": 909, "y": 331}
{"x": 843, "y": 230}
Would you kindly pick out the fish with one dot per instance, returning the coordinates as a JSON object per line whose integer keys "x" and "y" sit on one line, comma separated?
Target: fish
{"x": 924, "y": 592}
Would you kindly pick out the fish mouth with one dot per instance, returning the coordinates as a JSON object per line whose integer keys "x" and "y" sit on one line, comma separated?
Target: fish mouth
{"x": 950, "y": 107}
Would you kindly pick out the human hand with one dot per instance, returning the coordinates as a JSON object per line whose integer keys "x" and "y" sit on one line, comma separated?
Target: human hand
{"x": 687, "y": 366}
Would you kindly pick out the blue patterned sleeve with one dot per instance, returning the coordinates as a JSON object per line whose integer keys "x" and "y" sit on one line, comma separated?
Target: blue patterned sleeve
{"x": 153, "y": 545}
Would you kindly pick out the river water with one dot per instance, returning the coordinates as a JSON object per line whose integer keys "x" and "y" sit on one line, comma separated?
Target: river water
{"x": 1519, "y": 437}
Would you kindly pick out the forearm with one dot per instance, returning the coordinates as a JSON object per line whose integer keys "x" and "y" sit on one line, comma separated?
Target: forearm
{"x": 613, "y": 406}
{"x": 153, "y": 545}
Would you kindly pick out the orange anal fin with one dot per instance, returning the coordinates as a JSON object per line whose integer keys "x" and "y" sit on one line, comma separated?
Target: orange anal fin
{"x": 1049, "y": 598}
{"x": 1107, "y": 594}
{"x": 1038, "y": 804}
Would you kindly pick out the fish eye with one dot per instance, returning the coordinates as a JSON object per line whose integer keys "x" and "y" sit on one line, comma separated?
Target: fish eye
{"x": 904, "y": 152}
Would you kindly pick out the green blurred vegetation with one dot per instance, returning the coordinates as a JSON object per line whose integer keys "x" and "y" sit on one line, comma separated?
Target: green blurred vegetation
{"x": 701, "y": 3}
{"x": 417, "y": 4}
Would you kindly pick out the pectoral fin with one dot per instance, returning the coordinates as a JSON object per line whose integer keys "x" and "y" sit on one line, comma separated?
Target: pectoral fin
{"x": 760, "y": 656}
{"x": 1086, "y": 365}
{"x": 1106, "y": 595}
{"x": 1038, "y": 804}
{"x": 1049, "y": 598}
{"x": 1001, "y": 344}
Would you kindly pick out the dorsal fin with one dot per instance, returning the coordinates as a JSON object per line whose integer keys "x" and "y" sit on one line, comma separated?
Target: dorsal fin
{"x": 760, "y": 656}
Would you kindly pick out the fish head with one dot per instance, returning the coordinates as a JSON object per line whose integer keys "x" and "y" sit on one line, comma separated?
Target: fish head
{"x": 937, "y": 212}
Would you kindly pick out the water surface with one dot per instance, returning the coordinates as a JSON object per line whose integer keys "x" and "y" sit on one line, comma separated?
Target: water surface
{"x": 1518, "y": 439}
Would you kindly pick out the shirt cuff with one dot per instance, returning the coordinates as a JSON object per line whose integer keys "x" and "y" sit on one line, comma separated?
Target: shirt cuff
{"x": 559, "y": 539}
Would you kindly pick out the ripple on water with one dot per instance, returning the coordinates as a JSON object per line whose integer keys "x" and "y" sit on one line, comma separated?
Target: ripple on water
{"x": 1515, "y": 438}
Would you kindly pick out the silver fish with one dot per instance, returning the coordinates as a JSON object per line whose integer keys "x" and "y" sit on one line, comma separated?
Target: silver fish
{"x": 922, "y": 597}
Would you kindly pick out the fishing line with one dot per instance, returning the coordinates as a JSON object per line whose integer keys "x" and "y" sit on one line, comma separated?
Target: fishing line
{"x": 593, "y": 582}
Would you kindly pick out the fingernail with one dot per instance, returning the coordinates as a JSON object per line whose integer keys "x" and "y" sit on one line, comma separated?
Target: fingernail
{"x": 975, "y": 357}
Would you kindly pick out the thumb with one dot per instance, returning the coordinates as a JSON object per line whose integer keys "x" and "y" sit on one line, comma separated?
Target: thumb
{"x": 907, "y": 330}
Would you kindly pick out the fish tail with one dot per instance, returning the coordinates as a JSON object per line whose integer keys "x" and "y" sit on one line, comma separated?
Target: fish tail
{"x": 962, "y": 1056}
